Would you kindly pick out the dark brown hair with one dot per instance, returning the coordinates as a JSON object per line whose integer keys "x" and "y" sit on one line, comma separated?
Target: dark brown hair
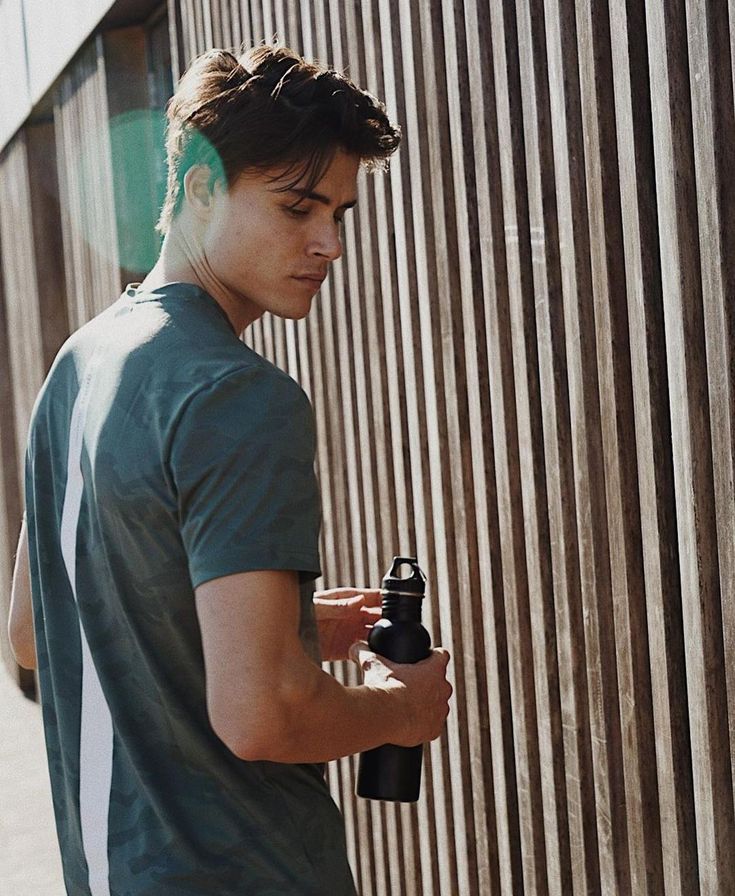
{"x": 268, "y": 108}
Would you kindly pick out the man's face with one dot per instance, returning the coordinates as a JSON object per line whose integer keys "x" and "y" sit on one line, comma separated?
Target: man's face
{"x": 264, "y": 255}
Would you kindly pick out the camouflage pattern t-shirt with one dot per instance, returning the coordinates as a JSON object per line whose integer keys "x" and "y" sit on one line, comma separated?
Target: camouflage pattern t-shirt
{"x": 162, "y": 453}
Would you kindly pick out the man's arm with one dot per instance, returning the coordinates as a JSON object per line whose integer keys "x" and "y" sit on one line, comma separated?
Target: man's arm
{"x": 268, "y": 701}
{"x": 20, "y": 622}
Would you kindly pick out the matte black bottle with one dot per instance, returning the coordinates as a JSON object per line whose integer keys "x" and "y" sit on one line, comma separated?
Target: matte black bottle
{"x": 391, "y": 772}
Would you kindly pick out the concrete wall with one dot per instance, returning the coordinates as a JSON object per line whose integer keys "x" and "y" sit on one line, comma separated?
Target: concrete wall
{"x": 39, "y": 40}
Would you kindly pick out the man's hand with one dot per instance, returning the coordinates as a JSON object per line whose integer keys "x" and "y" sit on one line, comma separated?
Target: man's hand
{"x": 422, "y": 688}
{"x": 344, "y": 616}
{"x": 20, "y": 618}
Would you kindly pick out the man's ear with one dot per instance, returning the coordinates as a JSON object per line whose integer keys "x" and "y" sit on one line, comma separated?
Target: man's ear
{"x": 197, "y": 192}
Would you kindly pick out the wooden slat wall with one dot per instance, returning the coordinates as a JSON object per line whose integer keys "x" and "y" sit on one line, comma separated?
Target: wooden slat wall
{"x": 523, "y": 371}
{"x": 25, "y": 343}
{"x": 10, "y": 501}
{"x": 89, "y": 227}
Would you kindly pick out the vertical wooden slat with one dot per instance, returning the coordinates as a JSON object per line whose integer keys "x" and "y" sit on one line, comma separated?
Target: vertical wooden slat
{"x": 714, "y": 143}
{"x": 281, "y": 29}
{"x": 201, "y": 31}
{"x": 294, "y": 25}
{"x": 228, "y": 23}
{"x": 176, "y": 39}
{"x": 269, "y": 23}
{"x": 246, "y": 34}
{"x": 257, "y": 32}
{"x": 234, "y": 17}
{"x": 215, "y": 22}
{"x": 183, "y": 17}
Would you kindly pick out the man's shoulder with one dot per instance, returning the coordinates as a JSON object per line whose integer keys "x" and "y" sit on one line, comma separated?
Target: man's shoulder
{"x": 249, "y": 370}
{"x": 251, "y": 385}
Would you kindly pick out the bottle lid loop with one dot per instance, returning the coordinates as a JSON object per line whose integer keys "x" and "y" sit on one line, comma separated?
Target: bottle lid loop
{"x": 413, "y": 585}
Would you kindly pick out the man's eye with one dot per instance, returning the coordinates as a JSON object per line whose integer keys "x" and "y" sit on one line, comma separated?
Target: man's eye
{"x": 297, "y": 212}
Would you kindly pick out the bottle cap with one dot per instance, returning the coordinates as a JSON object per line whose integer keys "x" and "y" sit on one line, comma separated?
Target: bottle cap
{"x": 413, "y": 585}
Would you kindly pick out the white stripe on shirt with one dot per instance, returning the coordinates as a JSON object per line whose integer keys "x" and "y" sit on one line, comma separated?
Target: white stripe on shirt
{"x": 96, "y": 737}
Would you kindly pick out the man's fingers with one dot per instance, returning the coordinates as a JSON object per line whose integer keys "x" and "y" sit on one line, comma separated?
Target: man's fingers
{"x": 372, "y": 612}
{"x": 373, "y": 597}
{"x": 343, "y": 600}
{"x": 360, "y": 652}
{"x": 368, "y": 597}
{"x": 444, "y": 653}
{"x": 441, "y": 652}
{"x": 350, "y": 591}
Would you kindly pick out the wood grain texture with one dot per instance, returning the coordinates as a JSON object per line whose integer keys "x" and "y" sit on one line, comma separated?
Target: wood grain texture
{"x": 683, "y": 291}
{"x": 89, "y": 226}
{"x": 618, "y": 446}
{"x": 10, "y": 498}
{"x": 20, "y": 279}
{"x": 653, "y": 449}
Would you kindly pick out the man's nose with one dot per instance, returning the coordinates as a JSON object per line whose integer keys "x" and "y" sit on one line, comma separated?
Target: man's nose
{"x": 327, "y": 243}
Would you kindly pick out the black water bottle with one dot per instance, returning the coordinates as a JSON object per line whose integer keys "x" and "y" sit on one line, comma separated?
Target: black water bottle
{"x": 391, "y": 772}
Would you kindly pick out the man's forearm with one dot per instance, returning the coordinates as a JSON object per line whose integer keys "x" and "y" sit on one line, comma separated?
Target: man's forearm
{"x": 266, "y": 698}
{"x": 324, "y": 719}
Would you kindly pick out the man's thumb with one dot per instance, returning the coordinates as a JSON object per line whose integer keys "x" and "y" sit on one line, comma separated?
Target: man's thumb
{"x": 360, "y": 652}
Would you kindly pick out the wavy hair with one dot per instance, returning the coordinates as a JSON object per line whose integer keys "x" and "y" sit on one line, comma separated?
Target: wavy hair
{"x": 267, "y": 108}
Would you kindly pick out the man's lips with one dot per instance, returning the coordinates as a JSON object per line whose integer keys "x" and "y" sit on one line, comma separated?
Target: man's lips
{"x": 316, "y": 279}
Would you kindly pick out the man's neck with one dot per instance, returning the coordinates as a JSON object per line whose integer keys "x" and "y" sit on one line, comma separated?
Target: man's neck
{"x": 176, "y": 265}
{"x": 171, "y": 267}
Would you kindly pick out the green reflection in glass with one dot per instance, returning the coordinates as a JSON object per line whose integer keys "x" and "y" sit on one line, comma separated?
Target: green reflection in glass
{"x": 139, "y": 178}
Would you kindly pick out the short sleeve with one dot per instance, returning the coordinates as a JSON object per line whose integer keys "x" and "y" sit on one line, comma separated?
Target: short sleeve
{"x": 242, "y": 462}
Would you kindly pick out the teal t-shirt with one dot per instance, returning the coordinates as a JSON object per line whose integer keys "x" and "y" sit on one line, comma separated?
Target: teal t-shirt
{"x": 163, "y": 452}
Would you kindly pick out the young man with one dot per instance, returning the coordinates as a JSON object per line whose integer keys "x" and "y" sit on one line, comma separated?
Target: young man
{"x": 173, "y": 522}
